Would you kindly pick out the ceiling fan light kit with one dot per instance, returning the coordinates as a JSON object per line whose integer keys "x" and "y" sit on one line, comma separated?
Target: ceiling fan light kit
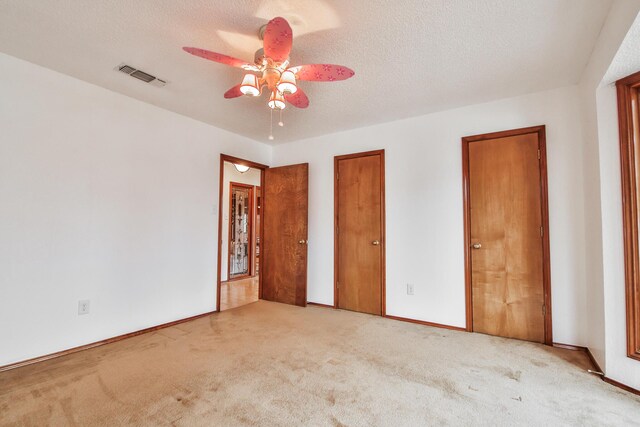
{"x": 276, "y": 100}
{"x": 250, "y": 85}
{"x": 287, "y": 83}
{"x": 271, "y": 69}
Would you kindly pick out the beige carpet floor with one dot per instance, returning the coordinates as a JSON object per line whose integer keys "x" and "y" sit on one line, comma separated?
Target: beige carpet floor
{"x": 274, "y": 365}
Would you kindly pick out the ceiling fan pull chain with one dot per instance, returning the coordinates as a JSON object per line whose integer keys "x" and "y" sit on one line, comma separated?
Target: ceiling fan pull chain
{"x": 281, "y": 123}
{"x": 271, "y": 125}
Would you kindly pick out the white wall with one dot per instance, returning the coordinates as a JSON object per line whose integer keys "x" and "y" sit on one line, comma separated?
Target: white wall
{"x": 618, "y": 366}
{"x": 616, "y": 26}
{"x": 231, "y": 174}
{"x": 603, "y": 205}
{"x": 424, "y": 205}
{"x": 106, "y": 198}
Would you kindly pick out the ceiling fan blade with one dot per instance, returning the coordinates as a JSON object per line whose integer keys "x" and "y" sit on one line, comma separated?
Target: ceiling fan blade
{"x": 298, "y": 99}
{"x": 322, "y": 72}
{"x": 234, "y": 92}
{"x": 216, "y": 57}
{"x": 278, "y": 39}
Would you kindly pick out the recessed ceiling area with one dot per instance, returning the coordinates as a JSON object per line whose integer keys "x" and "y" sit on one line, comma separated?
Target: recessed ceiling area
{"x": 411, "y": 57}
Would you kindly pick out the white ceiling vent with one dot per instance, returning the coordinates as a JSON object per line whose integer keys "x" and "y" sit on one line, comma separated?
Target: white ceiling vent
{"x": 140, "y": 75}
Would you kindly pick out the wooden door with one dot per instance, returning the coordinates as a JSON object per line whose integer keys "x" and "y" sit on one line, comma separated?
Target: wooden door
{"x": 359, "y": 228}
{"x": 284, "y": 240}
{"x": 506, "y": 226}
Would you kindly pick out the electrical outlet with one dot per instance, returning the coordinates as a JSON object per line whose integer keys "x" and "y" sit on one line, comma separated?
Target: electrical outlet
{"x": 83, "y": 306}
{"x": 409, "y": 289}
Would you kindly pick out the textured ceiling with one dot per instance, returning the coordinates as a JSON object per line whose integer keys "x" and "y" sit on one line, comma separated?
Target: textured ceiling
{"x": 411, "y": 57}
{"x": 626, "y": 60}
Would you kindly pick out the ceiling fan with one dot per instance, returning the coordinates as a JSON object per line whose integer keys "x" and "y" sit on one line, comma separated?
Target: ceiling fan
{"x": 271, "y": 69}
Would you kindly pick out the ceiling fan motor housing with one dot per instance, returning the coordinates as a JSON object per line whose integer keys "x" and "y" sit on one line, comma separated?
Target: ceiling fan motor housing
{"x": 271, "y": 76}
{"x": 261, "y": 31}
{"x": 258, "y": 57}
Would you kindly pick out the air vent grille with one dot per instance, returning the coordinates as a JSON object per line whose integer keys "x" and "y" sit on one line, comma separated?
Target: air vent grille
{"x": 127, "y": 69}
{"x": 141, "y": 75}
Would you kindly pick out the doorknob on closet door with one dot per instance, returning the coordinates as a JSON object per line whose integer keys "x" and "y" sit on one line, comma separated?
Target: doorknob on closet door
{"x": 375, "y": 242}
{"x": 476, "y": 245}
{"x": 302, "y": 242}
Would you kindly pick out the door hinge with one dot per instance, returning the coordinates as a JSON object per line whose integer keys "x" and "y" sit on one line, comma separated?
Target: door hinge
{"x": 538, "y": 154}
{"x": 337, "y": 176}
{"x": 541, "y": 232}
{"x": 337, "y": 285}
{"x": 544, "y": 310}
{"x": 337, "y": 229}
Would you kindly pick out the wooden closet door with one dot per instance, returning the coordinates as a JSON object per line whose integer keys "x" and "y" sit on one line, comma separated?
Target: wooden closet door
{"x": 506, "y": 237}
{"x": 359, "y": 232}
{"x": 284, "y": 242}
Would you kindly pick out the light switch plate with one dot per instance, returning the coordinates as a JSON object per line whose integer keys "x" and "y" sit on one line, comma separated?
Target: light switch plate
{"x": 409, "y": 289}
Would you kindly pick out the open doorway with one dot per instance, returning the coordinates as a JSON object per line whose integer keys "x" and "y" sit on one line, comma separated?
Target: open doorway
{"x": 240, "y": 233}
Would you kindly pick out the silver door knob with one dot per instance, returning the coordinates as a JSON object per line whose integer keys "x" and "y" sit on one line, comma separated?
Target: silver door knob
{"x": 375, "y": 242}
{"x": 302, "y": 242}
{"x": 476, "y": 246}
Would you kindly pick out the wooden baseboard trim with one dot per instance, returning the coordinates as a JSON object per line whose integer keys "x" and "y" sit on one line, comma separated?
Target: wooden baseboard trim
{"x": 402, "y": 319}
{"x": 594, "y": 362}
{"x": 569, "y": 346}
{"x": 596, "y": 367}
{"x": 586, "y": 350}
{"x": 235, "y": 279}
{"x": 99, "y": 343}
{"x": 620, "y": 385}
{"x": 320, "y": 305}
{"x": 422, "y": 322}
